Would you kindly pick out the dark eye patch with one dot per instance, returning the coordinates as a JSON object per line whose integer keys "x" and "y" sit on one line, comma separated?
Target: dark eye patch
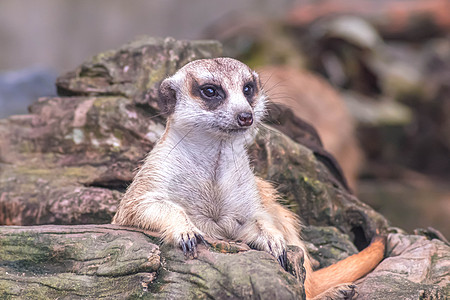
{"x": 249, "y": 90}
{"x": 211, "y": 95}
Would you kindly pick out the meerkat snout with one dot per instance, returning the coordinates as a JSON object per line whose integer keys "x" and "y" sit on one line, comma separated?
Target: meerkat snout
{"x": 245, "y": 119}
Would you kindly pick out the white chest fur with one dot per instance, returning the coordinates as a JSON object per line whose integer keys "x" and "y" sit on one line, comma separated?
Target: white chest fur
{"x": 213, "y": 182}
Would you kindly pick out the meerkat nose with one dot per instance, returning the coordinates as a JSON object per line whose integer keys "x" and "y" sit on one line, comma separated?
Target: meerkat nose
{"x": 245, "y": 119}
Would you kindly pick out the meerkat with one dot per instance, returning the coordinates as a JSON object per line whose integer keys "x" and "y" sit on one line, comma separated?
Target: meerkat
{"x": 197, "y": 181}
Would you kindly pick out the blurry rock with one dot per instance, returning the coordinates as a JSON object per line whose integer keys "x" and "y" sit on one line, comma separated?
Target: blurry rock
{"x": 350, "y": 28}
{"x": 20, "y": 88}
{"x": 398, "y": 92}
{"x": 408, "y": 199}
{"x": 400, "y": 71}
{"x": 316, "y": 102}
{"x": 383, "y": 112}
{"x": 256, "y": 41}
{"x": 419, "y": 78}
{"x": 136, "y": 69}
{"x": 342, "y": 48}
{"x": 352, "y": 55}
{"x": 414, "y": 20}
{"x": 432, "y": 131}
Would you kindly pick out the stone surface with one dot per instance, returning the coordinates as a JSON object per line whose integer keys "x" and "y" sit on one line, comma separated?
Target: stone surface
{"x": 96, "y": 261}
{"x": 416, "y": 268}
{"x": 75, "y": 262}
{"x": 84, "y": 148}
{"x": 107, "y": 261}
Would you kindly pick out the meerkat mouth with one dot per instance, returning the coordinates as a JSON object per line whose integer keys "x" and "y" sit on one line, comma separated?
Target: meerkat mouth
{"x": 234, "y": 130}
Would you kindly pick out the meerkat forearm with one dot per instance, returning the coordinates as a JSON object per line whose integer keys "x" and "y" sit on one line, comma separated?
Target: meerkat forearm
{"x": 163, "y": 216}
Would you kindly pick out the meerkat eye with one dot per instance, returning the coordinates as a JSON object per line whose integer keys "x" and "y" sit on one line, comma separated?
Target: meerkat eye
{"x": 248, "y": 89}
{"x": 211, "y": 92}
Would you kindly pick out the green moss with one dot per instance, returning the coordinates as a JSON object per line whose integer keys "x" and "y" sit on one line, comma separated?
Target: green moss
{"x": 38, "y": 172}
{"x": 118, "y": 134}
{"x": 23, "y": 248}
{"x": 155, "y": 76}
{"x": 313, "y": 185}
{"x": 27, "y": 147}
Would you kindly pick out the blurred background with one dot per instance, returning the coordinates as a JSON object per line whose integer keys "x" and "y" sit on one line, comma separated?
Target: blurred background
{"x": 373, "y": 76}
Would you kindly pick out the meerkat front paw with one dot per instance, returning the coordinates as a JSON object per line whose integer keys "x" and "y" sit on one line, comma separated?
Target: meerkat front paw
{"x": 340, "y": 292}
{"x": 277, "y": 247}
{"x": 186, "y": 237}
{"x": 275, "y": 244}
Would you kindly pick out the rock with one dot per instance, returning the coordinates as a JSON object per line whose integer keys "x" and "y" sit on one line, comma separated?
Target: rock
{"x": 76, "y": 262}
{"x": 308, "y": 187}
{"x": 409, "y": 201}
{"x": 382, "y": 113}
{"x": 84, "y": 149}
{"x": 352, "y": 29}
{"x": 70, "y": 150}
{"x": 326, "y": 245}
{"x": 419, "y": 266}
{"x": 50, "y": 261}
{"x": 136, "y": 69}
{"x": 415, "y": 20}
{"x": 107, "y": 261}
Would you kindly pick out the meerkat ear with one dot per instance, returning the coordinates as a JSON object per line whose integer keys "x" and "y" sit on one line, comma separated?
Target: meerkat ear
{"x": 256, "y": 78}
{"x": 167, "y": 97}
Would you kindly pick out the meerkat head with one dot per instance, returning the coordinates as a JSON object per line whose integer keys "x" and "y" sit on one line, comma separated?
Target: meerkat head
{"x": 221, "y": 96}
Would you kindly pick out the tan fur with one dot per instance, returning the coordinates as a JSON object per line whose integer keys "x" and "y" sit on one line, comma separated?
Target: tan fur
{"x": 197, "y": 180}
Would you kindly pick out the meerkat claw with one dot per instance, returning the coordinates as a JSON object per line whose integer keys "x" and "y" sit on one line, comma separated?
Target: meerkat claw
{"x": 350, "y": 293}
{"x": 200, "y": 237}
{"x": 183, "y": 246}
{"x": 282, "y": 259}
{"x": 189, "y": 245}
